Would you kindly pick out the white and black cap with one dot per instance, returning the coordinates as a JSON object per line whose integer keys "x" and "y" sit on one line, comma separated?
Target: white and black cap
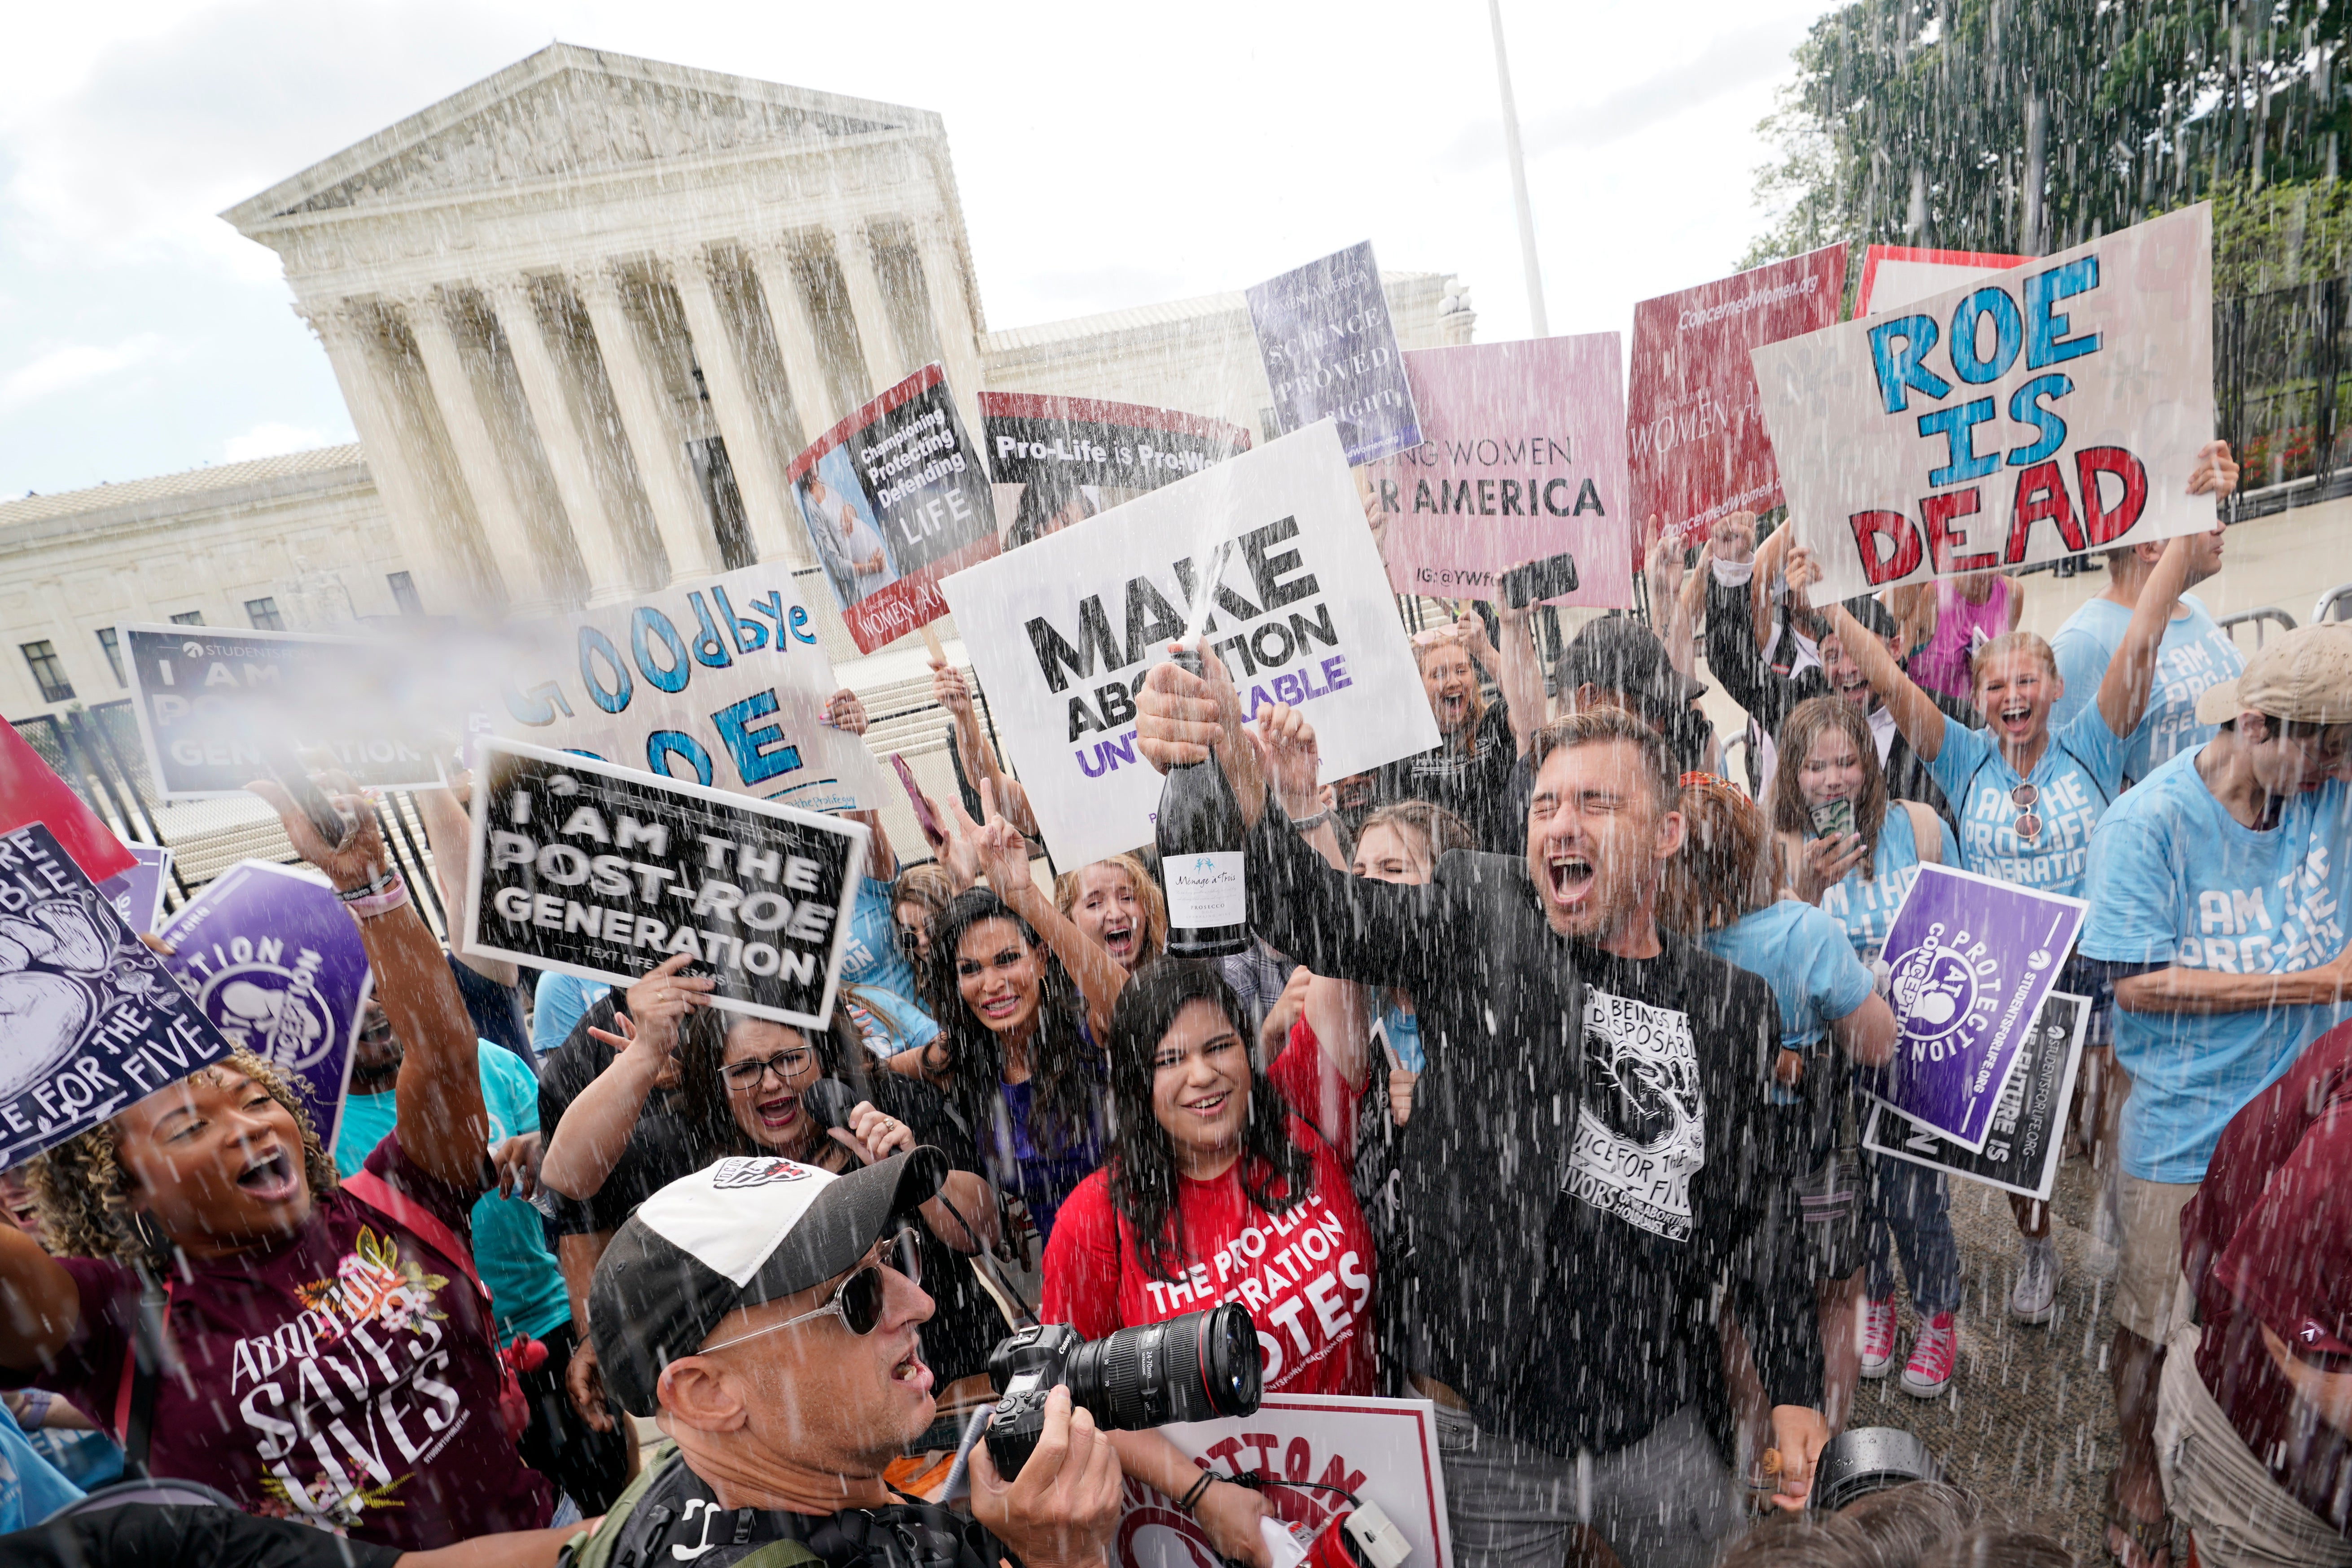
{"x": 736, "y": 1233}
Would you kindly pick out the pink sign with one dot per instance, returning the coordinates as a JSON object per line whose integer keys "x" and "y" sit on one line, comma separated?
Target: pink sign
{"x": 1698, "y": 447}
{"x": 1522, "y": 457}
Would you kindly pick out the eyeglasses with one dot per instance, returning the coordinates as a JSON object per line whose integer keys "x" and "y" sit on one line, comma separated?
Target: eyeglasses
{"x": 2028, "y": 826}
{"x": 752, "y": 1073}
{"x": 859, "y": 1302}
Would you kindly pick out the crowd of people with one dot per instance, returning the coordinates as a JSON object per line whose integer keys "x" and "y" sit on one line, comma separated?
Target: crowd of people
{"x": 1535, "y": 1096}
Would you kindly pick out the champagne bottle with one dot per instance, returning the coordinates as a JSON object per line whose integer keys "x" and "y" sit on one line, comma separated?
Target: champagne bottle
{"x": 1202, "y": 858}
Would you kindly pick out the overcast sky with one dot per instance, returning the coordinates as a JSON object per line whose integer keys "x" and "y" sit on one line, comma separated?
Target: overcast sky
{"x": 1106, "y": 156}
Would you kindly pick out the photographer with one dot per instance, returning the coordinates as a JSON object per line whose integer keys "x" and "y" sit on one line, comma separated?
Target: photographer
{"x": 768, "y": 1316}
{"x": 1565, "y": 1268}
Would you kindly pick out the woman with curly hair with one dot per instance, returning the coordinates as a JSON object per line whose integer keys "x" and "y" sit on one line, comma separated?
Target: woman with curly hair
{"x": 327, "y": 1355}
{"x": 1216, "y": 1191}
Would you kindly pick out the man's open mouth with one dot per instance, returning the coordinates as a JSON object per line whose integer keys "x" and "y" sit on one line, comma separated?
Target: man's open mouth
{"x": 272, "y": 1177}
{"x": 1571, "y": 878}
{"x": 912, "y": 1371}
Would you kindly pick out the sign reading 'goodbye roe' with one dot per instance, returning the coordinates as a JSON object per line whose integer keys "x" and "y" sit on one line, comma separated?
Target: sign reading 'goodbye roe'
{"x": 2021, "y": 416}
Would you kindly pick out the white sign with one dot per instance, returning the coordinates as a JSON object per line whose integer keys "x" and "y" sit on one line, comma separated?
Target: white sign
{"x": 719, "y": 682}
{"x": 1383, "y": 1450}
{"x": 2049, "y": 410}
{"x": 1062, "y": 631}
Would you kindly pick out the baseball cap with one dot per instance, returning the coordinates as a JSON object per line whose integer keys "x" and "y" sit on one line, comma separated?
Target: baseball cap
{"x": 1618, "y": 653}
{"x": 2304, "y": 675}
{"x": 737, "y": 1233}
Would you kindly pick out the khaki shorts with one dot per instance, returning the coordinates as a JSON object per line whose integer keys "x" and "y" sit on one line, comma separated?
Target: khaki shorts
{"x": 2151, "y": 1295}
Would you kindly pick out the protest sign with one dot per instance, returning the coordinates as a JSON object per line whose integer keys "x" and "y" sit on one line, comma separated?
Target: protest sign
{"x": 1894, "y": 276}
{"x": 2024, "y": 416}
{"x": 275, "y": 959}
{"x": 894, "y": 498}
{"x": 30, "y": 791}
{"x": 1062, "y": 631}
{"x": 1062, "y": 442}
{"x": 208, "y": 696}
{"x": 1971, "y": 961}
{"x": 1331, "y": 352}
{"x": 719, "y": 680}
{"x": 137, "y": 894}
{"x": 606, "y": 873}
{"x": 1697, "y": 440}
{"x": 1383, "y": 1450}
{"x": 90, "y": 1019}
{"x": 2023, "y": 1151}
{"x": 1522, "y": 456}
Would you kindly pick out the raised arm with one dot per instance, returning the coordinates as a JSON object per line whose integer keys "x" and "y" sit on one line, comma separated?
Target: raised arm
{"x": 1916, "y": 713}
{"x": 2124, "y": 690}
{"x": 980, "y": 761}
{"x": 1510, "y": 671}
{"x": 450, "y": 838}
{"x": 595, "y": 1127}
{"x": 1003, "y": 856}
{"x": 1662, "y": 564}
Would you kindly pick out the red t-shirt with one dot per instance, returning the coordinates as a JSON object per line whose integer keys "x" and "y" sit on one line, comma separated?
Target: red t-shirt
{"x": 1306, "y": 1276}
{"x": 2268, "y": 1240}
{"x": 343, "y": 1377}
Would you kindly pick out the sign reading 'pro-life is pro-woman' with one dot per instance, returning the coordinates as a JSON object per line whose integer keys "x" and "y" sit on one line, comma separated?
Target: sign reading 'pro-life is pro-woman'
{"x": 1062, "y": 631}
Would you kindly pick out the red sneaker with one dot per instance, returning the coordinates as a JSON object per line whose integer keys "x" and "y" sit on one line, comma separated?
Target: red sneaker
{"x": 1929, "y": 1371}
{"x": 1877, "y": 1337}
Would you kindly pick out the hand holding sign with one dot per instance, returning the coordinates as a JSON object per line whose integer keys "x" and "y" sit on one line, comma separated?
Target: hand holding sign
{"x": 2216, "y": 473}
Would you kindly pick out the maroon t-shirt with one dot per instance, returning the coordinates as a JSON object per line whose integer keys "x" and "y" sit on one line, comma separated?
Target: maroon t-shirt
{"x": 2268, "y": 1240}
{"x": 343, "y": 1377}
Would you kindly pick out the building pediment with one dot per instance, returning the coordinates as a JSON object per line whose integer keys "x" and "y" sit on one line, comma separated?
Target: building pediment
{"x": 564, "y": 113}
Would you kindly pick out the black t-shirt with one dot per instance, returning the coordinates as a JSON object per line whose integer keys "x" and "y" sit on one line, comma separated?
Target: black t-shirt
{"x": 1474, "y": 783}
{"x": 179, "y": 1535}
{"x": 678, "y": 1518}
{"x": 661, "y": 1147}
{"x": 495, "y": 1010}
{"x": 965, "y": 1324}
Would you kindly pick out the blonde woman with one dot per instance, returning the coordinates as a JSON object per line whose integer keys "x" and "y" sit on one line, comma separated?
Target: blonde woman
{"x": 1118, "y": 907}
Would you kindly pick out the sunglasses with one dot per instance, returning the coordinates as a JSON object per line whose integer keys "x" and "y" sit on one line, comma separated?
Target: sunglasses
{"x": 2028, "y": 827}
{"x": 752, "y": 1073}
{"x": 859, "y": 1302}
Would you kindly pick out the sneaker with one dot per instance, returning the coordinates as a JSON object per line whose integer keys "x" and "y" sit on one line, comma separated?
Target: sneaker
{"x": 1877, "y": 1337}
{"x": 2034, "y": 1298}
{"x": 1929, "y": 1371}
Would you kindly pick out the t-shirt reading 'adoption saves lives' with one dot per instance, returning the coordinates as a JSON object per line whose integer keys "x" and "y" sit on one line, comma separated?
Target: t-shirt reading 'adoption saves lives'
{"x": 343, "y": 1377}
{"x": 1305, "y": 1275}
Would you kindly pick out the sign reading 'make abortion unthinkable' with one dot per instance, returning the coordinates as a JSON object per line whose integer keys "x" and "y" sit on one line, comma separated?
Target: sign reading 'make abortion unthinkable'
{"x": 2028, "y": 1123}
{"x": 275, "y": 959}
{"x": 1331, "y": 352}
{"x": 1062, "y": 631}
{"x": 1971, "y": 961}
{"x": 606, "y": 873}
{"x": 2024, "y": 416}
{"x": 90, "y": 1019}
{"x": 205, "y": 695}
{"x": 719, "y": 680}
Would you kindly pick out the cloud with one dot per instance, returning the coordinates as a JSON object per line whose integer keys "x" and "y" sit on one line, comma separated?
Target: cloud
{"x": 271, "y": 439}
{"x": 73, "y": 365}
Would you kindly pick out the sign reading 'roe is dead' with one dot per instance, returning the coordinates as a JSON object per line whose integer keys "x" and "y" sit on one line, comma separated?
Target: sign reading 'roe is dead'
{"x": 598, "y": 871}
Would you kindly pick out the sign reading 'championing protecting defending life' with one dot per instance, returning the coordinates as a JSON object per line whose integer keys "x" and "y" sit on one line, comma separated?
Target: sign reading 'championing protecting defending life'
{"x": 1062, "y": 631}
{"x": 2029, "y": 414}
{"x": 606, "y": 873}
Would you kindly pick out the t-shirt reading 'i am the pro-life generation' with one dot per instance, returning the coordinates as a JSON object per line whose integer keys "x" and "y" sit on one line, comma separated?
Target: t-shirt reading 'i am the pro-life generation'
{"x": 344, "y": 1376}
{"x": 2195, "y": 656}
{"x": 1306, "y": 1275}
{"x": 2076, "y": 778}
{"x": 2176, "y": 881}
{"x": 1866, "y": 906}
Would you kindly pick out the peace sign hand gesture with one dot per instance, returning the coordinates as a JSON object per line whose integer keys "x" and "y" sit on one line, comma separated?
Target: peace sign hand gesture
{"x": 1001, "y": 854}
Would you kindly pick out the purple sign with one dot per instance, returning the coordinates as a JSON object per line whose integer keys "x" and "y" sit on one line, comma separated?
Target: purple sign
{"x": 1971, "y": 961}
{"x": 137, "y": 894}
{"x": 1331, "y": 352}
{"x": 276, "y": 961}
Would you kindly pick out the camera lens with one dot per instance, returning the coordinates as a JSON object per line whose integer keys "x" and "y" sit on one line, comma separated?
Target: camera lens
{"x": 1193, "y": 1368}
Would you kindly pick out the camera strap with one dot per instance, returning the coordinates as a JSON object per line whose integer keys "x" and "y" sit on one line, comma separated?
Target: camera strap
{"x": 676, "y": 1520}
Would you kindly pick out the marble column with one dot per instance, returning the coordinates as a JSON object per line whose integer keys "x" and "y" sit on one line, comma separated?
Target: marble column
{"x": 776, "y": 531}
{"x": 951, "y": 316}
{"x": 853, "y": 245}
{"x": 788, "y": 311}
{"x": 484, "y": 467}
{"x": 594, "y": 525}
{"x": 446, "y": 580}
{"x": 679, "y": 511}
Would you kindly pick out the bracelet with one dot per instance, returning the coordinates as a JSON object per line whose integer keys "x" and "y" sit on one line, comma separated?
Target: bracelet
{"x": 1309, "y": 824}
{"x": 380, "y": 882}
{"x": 1191, "y": 1497}
{"x": 370, "y": 905}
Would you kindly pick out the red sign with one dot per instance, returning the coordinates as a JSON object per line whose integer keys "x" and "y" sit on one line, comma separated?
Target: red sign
{"x": 30, "y": 791}
{"x": 1896, "y": 275}
{"x": 1695, "y": 442}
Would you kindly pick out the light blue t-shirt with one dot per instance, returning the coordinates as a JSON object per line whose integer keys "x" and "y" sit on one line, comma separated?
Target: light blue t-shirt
{"x": 2078, "y": 777}
{"x": 30, "y": 1487}
{"x": 556, "y": 1006}
{"x": 2196, "y": 655}
{"x": 872, "y": 960}
{"x": 509, "y": 1246}
{"x": 2176, "y": 880}
{"x": 1807, "y": 960}
{"x": 1866, "y": 906}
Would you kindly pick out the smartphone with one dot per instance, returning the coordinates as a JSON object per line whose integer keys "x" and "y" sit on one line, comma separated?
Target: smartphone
{"x": 1832, "y": 818}
{"x": 934, "y": 833}
{"x": 278, "y": 761}
{"x": 1540, "y": 580}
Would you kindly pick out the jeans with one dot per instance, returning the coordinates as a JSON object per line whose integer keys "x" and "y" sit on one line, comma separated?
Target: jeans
{"x": 1909, "y": 1200}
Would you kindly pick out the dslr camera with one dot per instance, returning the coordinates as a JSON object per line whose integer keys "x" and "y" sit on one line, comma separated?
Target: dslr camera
{"x": 1193, "y": 1368}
